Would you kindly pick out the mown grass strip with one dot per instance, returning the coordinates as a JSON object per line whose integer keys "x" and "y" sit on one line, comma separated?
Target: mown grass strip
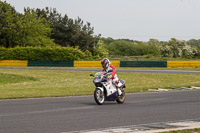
{"x": 12, "y": 78}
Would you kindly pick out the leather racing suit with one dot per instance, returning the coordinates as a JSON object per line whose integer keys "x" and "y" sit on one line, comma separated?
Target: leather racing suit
{"x": 112, "y": 72}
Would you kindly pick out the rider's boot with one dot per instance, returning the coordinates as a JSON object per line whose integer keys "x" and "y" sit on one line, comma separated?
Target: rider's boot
{"x": 118, "y": 87}
{"x": 119, "y": 91}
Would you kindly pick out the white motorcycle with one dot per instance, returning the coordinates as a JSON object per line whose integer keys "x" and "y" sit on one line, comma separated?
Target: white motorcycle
{"x": 106, "y": 90}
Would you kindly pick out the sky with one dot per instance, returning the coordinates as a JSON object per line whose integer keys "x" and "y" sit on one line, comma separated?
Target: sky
{"x": 129, "y": 19}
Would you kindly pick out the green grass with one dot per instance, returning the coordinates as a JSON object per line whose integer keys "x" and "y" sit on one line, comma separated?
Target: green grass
{"x": 12, "y": 78}
{"x": 45, "y": 83}
{"x": 196, "y": 130}
{"x": 135, "y": 68}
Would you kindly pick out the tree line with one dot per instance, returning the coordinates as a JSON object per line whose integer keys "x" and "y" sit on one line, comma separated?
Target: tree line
{"x": 173, "y": 48}
{"x": 44, "y": 28}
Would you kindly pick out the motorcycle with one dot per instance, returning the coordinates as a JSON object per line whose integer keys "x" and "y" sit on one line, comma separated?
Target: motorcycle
{"x": 105, "y": 89}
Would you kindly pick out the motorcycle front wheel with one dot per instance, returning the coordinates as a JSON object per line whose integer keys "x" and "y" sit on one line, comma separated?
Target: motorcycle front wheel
{"x": 121, "y": 98}
{"x": 99, "y": 96}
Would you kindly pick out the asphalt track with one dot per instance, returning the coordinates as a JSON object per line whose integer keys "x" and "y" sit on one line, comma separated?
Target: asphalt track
{"x": 60, "y": 115}
{"x": 118, "y": 70}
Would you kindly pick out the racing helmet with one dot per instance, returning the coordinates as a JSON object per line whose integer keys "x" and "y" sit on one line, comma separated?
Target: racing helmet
{"x": 105, "y": 63}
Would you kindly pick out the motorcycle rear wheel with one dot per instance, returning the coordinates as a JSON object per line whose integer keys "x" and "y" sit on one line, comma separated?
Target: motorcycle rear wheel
{"x": 121, "y": 98}
{"x": 99, "y": 96}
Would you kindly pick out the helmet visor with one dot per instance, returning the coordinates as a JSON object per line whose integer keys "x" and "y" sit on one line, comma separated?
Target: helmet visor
{"x": 103, "y": 65}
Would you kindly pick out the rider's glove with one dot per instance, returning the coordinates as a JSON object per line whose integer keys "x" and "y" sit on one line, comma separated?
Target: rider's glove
{"x": 108, "y": 77}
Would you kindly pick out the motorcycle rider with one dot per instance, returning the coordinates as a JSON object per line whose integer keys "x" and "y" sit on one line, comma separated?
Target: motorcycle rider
{"x": 107, "y": 68}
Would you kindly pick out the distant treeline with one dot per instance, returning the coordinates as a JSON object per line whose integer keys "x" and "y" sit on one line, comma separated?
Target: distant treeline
{"x": 47, "y": 29}
{"x": 173, "y": 48}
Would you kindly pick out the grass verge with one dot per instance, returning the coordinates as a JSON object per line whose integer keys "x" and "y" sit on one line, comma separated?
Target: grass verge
{"x": 12, "y": 78}
{"x": 46, "y": 83}
{"x": 134, "y": 68}
{"x": 196, "y": 130}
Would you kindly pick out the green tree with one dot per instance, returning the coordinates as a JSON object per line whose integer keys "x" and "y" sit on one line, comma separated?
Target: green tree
{"x": 194, "y": 43}
{"x": 132, "y": 48}
{"x": 35, "y": 31}
{"x": 69, "y": 32}
{"x": 165, "y": 50}
{"x": 173, "y": 43}
{"x": 178, "y": 48}
{"x": 8, "y": 28}
{"x": 23, "y": 29}
{"x": 100, "y": 49}
{"x": 153, "y": 41}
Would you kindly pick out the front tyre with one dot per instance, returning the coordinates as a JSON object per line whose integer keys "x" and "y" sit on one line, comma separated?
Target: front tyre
{"x": 121, "y": 98}
{"x": 99, "y": 96}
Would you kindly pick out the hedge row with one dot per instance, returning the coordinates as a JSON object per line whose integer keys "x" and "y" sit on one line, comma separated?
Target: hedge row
{"x": 42, "y": 53}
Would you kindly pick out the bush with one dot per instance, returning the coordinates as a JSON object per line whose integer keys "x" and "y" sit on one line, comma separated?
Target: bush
{"x": 124, "y": 48}
{"x": 42, "y": 53}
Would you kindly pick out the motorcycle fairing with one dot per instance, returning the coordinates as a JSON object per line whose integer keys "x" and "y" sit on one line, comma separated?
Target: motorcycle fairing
{"x": 112, "y": 97}
{"x": 110, "y": 88}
